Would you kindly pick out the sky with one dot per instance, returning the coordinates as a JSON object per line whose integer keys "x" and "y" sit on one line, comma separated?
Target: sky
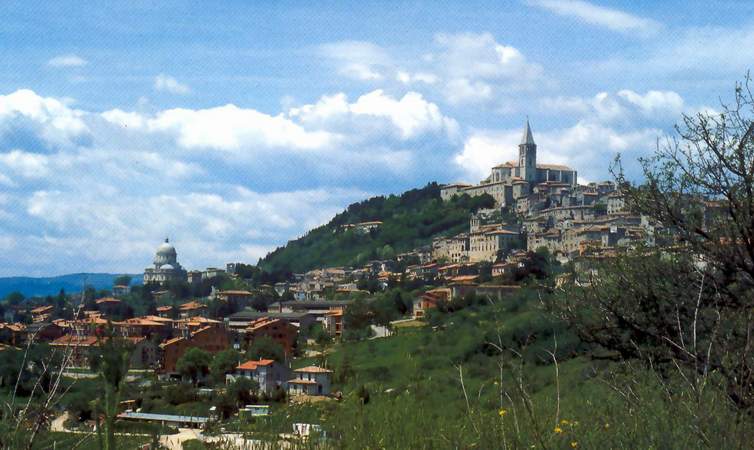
{"x": 232, "y": 127}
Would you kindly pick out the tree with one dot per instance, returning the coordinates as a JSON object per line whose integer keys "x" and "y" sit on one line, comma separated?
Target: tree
{"x": 687, "y": 308}
{"x": 123, "y": 280}
{"x": 111, "y": 365}
{"x": 264, "y": 347}
{"x": 14, "y": 298}
{"x": 194, "y": 364}
{"x": 223, "y": 363}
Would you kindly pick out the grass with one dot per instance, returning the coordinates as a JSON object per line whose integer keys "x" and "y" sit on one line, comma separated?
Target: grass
{"x": 54, "y": 440}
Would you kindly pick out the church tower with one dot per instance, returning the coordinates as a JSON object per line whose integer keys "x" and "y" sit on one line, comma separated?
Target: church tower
{"x": 527, "y": 156}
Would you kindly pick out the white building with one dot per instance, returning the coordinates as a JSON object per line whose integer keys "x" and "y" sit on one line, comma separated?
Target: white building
{"x": 166, "y": 267}
{"x": 311, "y": 380}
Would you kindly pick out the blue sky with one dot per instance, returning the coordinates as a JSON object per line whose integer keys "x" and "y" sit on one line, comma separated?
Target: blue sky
{"x": 234, "y": 126}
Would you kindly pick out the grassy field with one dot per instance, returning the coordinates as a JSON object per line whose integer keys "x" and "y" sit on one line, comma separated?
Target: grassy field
{"x": 406, "y": 391}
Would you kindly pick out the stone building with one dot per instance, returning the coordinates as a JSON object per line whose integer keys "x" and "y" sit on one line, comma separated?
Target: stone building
{"x": 516, "y": 179}
{"x": 166, "y": 267}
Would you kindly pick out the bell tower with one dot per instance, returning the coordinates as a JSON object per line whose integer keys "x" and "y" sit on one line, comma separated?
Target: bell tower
{"x": 527, "y": 156}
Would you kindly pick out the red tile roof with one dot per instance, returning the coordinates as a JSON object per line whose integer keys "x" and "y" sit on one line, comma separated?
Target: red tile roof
{"x": 253, "y": 364}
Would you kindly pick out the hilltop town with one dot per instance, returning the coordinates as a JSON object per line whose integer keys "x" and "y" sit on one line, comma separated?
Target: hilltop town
{"x": 246, "y": 343}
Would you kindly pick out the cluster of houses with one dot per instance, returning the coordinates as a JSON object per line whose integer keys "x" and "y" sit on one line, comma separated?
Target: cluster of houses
{"x": 158, "y": 341}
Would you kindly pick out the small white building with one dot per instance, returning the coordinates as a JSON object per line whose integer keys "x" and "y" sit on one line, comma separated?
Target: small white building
{"x": 267, "y": 373}
{"x": 311, "y": 380}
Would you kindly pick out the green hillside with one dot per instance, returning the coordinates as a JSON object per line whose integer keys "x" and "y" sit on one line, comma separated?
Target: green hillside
{"x": 410, "y": 220}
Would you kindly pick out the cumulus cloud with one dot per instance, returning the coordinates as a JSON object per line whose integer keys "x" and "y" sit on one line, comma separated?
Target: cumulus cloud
{"x": 410, "y": 116}
{"x": 207, "y": 177}
{"x": 466, "y": 68}
{"x": 624, "y": 105}
{"x": 67, "y": 61}
{"x": 612, "y": 19}
{"x": 166, "y": 83}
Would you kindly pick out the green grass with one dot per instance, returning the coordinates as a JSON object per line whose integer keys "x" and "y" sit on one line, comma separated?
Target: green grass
{"x": 63, "y": 441}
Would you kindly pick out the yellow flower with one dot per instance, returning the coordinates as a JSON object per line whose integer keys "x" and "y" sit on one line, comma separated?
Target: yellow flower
{"x": 607, "y": 425}
{"x": 558, "y": 430}
{"x": 574, "y": 444}
{"x": 502, "y": 412}
{"x": 564, "y": 422}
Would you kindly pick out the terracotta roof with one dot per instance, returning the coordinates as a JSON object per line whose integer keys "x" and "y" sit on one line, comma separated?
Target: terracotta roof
{"x": 42, "y": 309}
{"x": 191, "y": 306}
{"x": 106, "y": 300}
{"x": 463, "y": 278}
{"x": 171, "y": 341}
{"x": 313, "y": 369}
{"x": 75, "y": 341}
{"x": 234, "y": 292}
{"x": 253, "y": 364}
{"x": 164, "y": 308}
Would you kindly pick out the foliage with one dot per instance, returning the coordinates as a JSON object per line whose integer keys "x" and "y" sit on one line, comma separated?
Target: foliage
{"x": 223, "y": 363}
{"x": 409, "y": 221}
{"x": 194, "y": 363}
{"x": 264, "y": 347}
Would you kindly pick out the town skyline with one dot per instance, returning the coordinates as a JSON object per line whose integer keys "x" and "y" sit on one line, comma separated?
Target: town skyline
{"x": 243, "y": 129}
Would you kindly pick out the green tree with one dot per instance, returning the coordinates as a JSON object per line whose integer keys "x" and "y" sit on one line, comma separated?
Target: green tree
{"x": 264, "y": 347}
{"x": 194, "y": 364}
{"x": 223, "y": 363}
{"x": 123, "y": 280}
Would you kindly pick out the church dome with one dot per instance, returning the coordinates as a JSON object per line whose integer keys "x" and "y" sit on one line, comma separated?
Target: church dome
{"x": 166, "y": 249}
{"x": 165, "y": 254}
{"x": 167, "y": 267}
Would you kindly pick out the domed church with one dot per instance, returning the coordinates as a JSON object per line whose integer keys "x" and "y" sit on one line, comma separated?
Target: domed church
{"x": 166, "y": 267}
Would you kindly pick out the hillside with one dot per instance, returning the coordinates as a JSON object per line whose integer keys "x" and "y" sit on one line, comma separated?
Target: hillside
{"x": 410, "y": 220}
{"x": 32, "y": 286}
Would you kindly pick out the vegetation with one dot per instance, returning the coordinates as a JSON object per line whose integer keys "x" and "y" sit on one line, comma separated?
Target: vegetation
{"x": 409, "y": 221}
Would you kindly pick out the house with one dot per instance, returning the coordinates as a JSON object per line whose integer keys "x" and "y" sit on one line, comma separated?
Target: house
{"x": 12, "y": 333}
{"x": 42, "y": 313}
{"x": 192, "y": 309}
{"x": 121, "y": 290}
{"x": 235, "y": 296}
{"x": 165, "y": 311}
{"x": 334, "y": 322}
{"x": 278, "y": 330}
{"x": 502, "y": 268}
{"x": 108, "y": 305}
{"x": 430, "y": 300}
{"x": 267, "y": 373}
{"x": 145, "y": 327}
{"x": 143, "y": 352}
{"x": 43, "y": 331}
{"x": 311, "y": 380}
{"x": 239, "y": 321}
{"x": 213, "y": 339}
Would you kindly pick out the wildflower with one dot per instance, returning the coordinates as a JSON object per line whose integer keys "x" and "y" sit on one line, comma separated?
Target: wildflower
{"x": 558, "y": 430}
{"x": 574, "y": 444}
{"x": 564, "y": 422}
{"x": 607, "y": 425}
{"x": 502, "y": 412}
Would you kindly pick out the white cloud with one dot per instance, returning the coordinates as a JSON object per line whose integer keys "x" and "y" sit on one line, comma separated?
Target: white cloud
{"x": 232, "y": 128}
{"x": 461, "y": 90}
{"x": 411, "y": 115}
{"x": 166, "y": 83}
{"x": 476, "y": 68}
{"x": 67, "y": 61}
{"x": 29, "y": 165}
{"x": 55, "y": 121}
{"x": 612, "y": 19}
{"x": 654, "y": 103}
{"x": 357, "y": 59}
{"x": 418, "y": 77}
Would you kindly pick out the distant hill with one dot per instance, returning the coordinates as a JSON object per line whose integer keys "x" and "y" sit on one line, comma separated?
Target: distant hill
{"x": 409, "y": 220}
{"x": 31, "y": 286}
